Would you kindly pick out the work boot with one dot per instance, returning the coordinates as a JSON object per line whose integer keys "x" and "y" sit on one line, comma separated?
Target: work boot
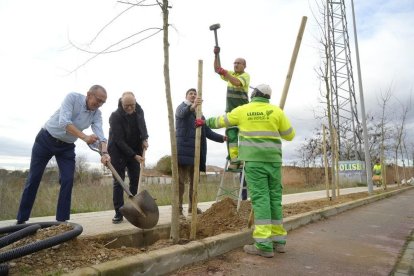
{"x": 251, "y": 249}
{"x": 118, "y": 218}
{"x": 181, "y": 215}
{"x": 279, "y": 247}
{"x": 20, "y": 222}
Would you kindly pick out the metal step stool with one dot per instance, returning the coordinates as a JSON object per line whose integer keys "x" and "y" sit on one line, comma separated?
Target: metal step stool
{"x": 232, "y": 190}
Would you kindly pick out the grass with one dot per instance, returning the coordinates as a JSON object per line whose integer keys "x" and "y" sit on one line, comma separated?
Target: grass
{"x": 97, "y": 195}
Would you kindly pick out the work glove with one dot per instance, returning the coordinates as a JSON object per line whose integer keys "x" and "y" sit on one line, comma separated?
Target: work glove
{"x": 221, "y": 71}
{"x": 199, "y": 122}
{"x": 216, "y": 50}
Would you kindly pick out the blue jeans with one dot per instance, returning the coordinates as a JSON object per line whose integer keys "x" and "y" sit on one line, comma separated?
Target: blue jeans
{"x": 44, "y": 148}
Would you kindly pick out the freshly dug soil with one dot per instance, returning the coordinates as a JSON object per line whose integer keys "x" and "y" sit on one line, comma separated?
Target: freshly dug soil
{"x": 81, "y": 252}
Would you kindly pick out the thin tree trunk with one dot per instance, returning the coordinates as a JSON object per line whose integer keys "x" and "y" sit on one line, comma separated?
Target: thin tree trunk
{"x": 175, "y": 227}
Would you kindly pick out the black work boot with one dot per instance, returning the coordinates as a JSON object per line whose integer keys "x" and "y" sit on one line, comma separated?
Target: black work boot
{"x": 180, "y": 214}
{"x": 118, "y": 218}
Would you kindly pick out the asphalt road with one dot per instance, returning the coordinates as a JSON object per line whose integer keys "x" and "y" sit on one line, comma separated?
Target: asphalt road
{"x": 367, "y": 240}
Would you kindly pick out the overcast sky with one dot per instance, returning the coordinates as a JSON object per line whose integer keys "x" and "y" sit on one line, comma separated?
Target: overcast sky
{"x": 39, "y": 66}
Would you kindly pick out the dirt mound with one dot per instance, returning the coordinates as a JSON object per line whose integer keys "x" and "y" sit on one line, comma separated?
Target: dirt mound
{"x": 221, "y": 217}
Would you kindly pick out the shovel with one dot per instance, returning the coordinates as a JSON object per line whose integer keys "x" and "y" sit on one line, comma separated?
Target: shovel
{"x": 141, "y": 209}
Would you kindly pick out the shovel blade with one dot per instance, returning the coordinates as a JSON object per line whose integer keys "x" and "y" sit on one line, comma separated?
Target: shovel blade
{"x": 149, "y": 207}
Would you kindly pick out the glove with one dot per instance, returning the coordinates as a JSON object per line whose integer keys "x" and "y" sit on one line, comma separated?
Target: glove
{"x": 221, "y": 71}
{"x": 199, "y": 122}
{"x": 216, "y": 50}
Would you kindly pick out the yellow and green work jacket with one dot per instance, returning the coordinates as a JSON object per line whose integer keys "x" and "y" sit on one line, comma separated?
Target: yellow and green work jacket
{"x": 377, "y": 169}
{"x": 237, "y": 95}
{"x": 261, "y": 127}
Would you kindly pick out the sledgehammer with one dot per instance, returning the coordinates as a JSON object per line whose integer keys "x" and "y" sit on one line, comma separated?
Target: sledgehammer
{"x": 214, "y": 28}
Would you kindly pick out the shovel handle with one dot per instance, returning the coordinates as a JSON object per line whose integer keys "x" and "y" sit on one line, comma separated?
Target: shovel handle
{"x": 119, "y": 179}
{"x": 142, "y": 165}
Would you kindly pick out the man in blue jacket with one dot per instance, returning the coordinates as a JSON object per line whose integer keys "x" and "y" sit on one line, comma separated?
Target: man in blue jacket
{"x": 185, "y": 116}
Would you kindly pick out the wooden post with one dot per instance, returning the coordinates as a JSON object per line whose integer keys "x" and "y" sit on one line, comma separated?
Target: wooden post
{"x": 336, "y": 153}
{"x": 325, "y": 161}
{"x": 383, "y": 169}
{"x": 292, "y": 62}
{"x": 193, "y": 231}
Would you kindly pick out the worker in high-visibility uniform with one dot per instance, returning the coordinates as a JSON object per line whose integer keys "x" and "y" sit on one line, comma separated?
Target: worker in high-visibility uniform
{"x": 237, "y": 94}
{"x": 376, "y": 170}
{"x": 262, "y": 126}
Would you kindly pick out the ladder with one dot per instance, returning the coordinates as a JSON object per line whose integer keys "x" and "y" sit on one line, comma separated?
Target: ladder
{"x": 232, "y": 190}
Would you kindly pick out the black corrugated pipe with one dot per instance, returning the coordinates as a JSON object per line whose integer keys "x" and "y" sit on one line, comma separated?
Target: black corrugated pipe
{"x": 38, "y": 245}
{"x": 11, "y": 238}
{"x": 4, "y": 270}
{"x": 14, "y": 228}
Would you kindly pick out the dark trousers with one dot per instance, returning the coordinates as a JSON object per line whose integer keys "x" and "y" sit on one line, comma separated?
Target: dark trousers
{"x": 44, "y": 148}
{"x": 185, "y": 173}
{"x": 133, "y": 167}
{"x": 244, "y": 191}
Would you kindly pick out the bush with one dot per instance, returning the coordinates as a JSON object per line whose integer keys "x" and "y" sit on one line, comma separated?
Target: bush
{"x": 164, "y": 165}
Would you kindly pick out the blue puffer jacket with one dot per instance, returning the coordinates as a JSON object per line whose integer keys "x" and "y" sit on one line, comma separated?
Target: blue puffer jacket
{"x": 185, "y": 133}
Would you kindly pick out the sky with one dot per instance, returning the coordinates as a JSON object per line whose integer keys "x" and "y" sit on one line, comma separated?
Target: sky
{"x": 40, "y": 62}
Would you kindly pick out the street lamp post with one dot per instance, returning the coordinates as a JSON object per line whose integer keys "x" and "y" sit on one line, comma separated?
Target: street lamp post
{"x": 364, "y": 120}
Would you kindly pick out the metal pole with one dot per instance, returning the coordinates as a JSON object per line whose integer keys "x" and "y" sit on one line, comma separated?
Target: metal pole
{"x": 364, "y": 121}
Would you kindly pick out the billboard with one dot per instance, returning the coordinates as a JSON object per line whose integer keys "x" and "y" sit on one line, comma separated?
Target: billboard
{"x": 352, "y": 172}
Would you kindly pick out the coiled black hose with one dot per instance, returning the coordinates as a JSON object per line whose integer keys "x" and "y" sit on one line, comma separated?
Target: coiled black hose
{"x": 35, "y": 246}
{"x": 11, "y": 238}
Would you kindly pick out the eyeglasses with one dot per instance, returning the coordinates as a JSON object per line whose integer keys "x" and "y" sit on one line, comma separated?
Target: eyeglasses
{"x": 99, "y": 100}
{"x": 236, "y": 62}
{"x": 128, "y": 105}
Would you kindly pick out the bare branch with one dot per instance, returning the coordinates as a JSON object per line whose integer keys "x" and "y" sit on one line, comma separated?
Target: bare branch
{"x": 139, "y": 3}
{"x": 109, "y": 23}
{"x": 104, "y": 51}
{"x": 119, "y": 42}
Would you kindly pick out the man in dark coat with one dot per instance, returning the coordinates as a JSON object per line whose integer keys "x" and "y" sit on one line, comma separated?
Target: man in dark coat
{"x": 128, "y": 138}
{"x": 185, "y": 116}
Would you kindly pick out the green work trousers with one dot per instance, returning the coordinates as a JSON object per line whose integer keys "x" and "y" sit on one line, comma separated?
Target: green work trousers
{"x": 264, "y": 182}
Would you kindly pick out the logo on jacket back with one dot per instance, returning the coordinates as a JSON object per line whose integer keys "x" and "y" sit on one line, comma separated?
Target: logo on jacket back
{"x": 258, "y": 115}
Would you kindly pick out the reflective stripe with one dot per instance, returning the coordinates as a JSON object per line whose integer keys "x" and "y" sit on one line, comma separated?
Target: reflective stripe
{"x": 260, "y": 133}
{"x": 237, "y": 96}
{"x": 263, "y": 240}
{"x": 226, "y": 121}
{"x": 278, "y": 238}
{"x": 233, "y": 145}
{"x": 277, "y": 222}
{"x": 262, "y": 221}
{"x": 286, "y": 132}
{"x": 261, "y": 145}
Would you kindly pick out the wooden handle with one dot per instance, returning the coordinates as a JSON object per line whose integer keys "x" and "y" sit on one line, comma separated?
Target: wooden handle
{"x": 119, "y": 179}
{"x": 251, "y": 219}
{"x": 292, "y": 62}
{"x": 142, "y": 166}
